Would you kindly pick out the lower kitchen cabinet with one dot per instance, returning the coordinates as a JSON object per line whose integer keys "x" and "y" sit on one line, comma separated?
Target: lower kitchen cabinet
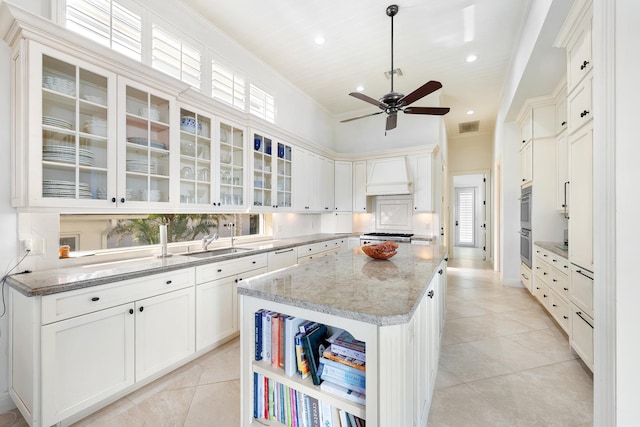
{"x": 85, "y": 360}
{"x": 282, "y": 258}
{"x": 165, "y": 331}
{"x": 551, "y": 285}
{"x": 582, "y": 335}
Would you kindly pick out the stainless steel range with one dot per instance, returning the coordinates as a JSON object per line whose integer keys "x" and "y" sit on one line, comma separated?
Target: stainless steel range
{"x": 381, "y": 237}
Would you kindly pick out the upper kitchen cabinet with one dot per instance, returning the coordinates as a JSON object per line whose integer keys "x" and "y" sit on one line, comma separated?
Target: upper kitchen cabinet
{"x": 537, "y": 121}
{"x": 343, "y": 186}
{"x": 360, "y": 187}
{"x": 421, "y": 166}
{"x": 196, "y": 154}
{"x": 64, "y": 139}
{"x": 325, "y": 184}
{"x": 231, "y": 171}
{"x": 272, "y": 173}
{"x": 579, "y": 62}
{"x": 146, "y": 143}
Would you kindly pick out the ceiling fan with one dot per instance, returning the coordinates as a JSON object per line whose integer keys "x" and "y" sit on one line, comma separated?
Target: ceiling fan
{"x": 393, "y": 102}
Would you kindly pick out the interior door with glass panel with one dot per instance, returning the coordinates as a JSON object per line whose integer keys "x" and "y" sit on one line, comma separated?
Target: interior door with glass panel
{"x": 465, "y": 221}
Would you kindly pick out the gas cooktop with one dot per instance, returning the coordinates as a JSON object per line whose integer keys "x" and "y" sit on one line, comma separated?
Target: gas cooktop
{"x": 398, "y": 237}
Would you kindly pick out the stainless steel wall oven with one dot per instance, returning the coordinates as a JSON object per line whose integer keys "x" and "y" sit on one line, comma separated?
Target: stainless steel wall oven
{"x": 526, "y": 244}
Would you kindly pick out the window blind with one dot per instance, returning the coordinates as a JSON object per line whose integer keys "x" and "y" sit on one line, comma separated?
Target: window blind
{"x": 261, "y": 104}
{"x": 227, "y": 87}
{"x": 174, "y": 57}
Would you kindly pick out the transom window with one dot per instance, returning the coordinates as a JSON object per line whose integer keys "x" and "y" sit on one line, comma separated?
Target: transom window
{"x": 227, "y": 87}
{"x": 262, "y": 104}
{"x": 173, "y": 56}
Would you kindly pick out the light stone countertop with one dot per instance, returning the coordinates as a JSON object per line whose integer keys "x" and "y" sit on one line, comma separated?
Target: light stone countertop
{"x": 553, "y": 247}
{"x": 349, "y": 284}
{"x": 53, "y": 281}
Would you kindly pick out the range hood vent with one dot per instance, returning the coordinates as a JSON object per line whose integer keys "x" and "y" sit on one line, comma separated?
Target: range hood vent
{"x": 388, "y": 176}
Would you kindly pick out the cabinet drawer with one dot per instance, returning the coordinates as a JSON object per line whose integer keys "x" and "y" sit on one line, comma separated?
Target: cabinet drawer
{"x": 581, "y": 289}
{"x": 561, "y": 284}
{"x": 525, "y": 276}
{"x": 282, "y": 258}
{"x": 559, "y": 309}
{"x": 218, "y": 270}
{"x": 581, "y": 335}
{"x": 543, "y": 271}
{"x": 65, "y": 305}
{"x": 580, "y": 105}
{"x": 311, "y": 249}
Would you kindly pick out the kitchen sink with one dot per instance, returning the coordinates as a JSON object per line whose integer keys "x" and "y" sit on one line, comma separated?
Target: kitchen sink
{"x": 216, "y": 252}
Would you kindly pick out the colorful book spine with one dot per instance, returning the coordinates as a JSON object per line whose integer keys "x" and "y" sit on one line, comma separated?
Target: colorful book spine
{"x": 275, "y": 340}
{"x": 302, "y": 413}
{"x": 315, "y": 412}
{"x": 349, "y": 361}
{"x": 314, "y": 344}
{"x": 340, "y": 377}
{"x": 348, "y": 352}
{"x": 343, "y": 367}
{"x": 255, "y": 393}
{"x": 266, "y": 339}
{"x": 308, "y": 326}
{"x": 281, "y": 339}
{"x": 291, "y": 325}
{"x": 258, "y": 334}
{"x": 344, "y": 419}
{"x": 325, "y": 414}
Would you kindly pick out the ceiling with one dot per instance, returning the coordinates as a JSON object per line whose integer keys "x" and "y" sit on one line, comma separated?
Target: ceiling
{"x": 429, "y": 45}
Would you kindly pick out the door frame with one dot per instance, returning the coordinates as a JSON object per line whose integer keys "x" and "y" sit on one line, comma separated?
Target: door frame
{"x": 488, "y": 210}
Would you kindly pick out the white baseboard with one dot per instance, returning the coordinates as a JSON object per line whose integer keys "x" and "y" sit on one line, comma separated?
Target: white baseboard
{"x": 6, "y": 403}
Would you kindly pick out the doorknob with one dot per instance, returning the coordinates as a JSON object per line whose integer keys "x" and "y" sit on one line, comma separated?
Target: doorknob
{"x": 456, "y": 223}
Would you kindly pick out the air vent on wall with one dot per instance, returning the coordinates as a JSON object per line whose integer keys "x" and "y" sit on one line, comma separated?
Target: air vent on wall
{"x": 467, "y": 127}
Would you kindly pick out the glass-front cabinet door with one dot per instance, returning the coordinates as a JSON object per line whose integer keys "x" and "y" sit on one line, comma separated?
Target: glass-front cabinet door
{"x": 70, "y": 133}
{"x": 196, "y": 152}
{"x": 283, "y": 177}
{"x": 231, "y": 166}
{"x": 263, "y": 167}
{"x": 146, "y": 145}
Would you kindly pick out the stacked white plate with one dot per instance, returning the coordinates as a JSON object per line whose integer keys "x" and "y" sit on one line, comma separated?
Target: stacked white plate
{"x": 59, "y": 84}
{"x": 66, "y": 154}
{"x": 66, "y": 189}
{"x": 95, "y": 127}
{"x": 53, "y": 121}
{"x": 141, "y": 165}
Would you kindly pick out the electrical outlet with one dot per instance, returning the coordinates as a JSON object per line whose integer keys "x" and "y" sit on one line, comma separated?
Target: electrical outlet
{"x": 34, "y": 246}
{"x": 27, "y": 245}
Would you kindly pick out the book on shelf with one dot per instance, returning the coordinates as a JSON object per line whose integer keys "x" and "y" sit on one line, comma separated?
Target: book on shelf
{"x": 314, "y": 406}
{"x": 343, "y": 343}
{"x": 346, "y": 368}
{"x": 349, "y": 361}
{"x": 308, "y": 326}
{"x": 275, "y": 340}
{"x": 344, "y": 419}
{"x": 281, "y": 339}
{"x": 314, "y": 344}
{"x": 301, "y": 359}
{"x": 343, "y": 392}
{"x": 266, "y": 335}
{"x": 326, "y": 417}
{"x": 352, "y": 377}
{"x": 291, "y": 325}
{"x": 352, "y": 383}
{"x": 258, "y": 333}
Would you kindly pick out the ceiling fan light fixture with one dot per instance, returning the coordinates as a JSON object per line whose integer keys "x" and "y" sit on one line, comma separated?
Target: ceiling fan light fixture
{"x": 470, "y": 112}
{"x": 360, "y": 88}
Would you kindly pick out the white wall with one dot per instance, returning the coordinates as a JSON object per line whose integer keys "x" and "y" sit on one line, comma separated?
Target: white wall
{"x": 8, "y": 218}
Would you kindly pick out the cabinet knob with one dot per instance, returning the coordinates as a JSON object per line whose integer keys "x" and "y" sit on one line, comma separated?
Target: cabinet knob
{"x": 523, "y": 180}
{"x": 219, "y": 270}
{"x": 113, "y": 200}
{"x": 566, "y": 289}
{"x": 584, "y": 65}
{"x": 253, "y": 262}
{"x": 554, "y": 280}
{"x": 169, "y": 282}
{"x": 446, "y": 259}
{"x": 440, "y": 271}
{"x": 544, "y": 295}
{"x": 554, "y": 305}
{"x": 523, "y": 141}
{"x": 584, "y": 113}
{"x": 431, "y": 293}
{"x": 94, "y": 299}
{"x": 122, "y": 200}
{"x": 141, "y": 309}
{"x": 563, "y": 123}
{"x": 131, "y": 311}
{"x": 565, "y": 317}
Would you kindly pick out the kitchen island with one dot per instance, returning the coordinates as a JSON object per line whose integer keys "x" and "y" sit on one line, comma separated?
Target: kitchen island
{"x": 395, "y": 306}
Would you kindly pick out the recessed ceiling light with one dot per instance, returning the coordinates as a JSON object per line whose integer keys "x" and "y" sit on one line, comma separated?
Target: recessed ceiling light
{"x": 471, "y": 58}
{"x": 319, "y": 40}
{"x": 360, "y": 88}
{"x": 470, "y": 112}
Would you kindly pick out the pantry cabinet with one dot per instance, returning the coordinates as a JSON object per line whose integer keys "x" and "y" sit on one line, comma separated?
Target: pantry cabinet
{"x": 343, "y": 182}
{"x": 581, "y": 198}
{"x": 421, "y": 172}
{"x": 360, "y": 187}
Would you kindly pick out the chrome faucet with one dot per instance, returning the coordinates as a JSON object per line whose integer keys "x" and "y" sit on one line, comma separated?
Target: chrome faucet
{"x": 231, "y": 226}
{"x": 206, "y": 240}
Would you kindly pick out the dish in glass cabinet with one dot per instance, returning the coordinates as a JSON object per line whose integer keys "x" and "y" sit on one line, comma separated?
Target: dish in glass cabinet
{"x": 281, "y": 152}
{"x": 224, "y": 135}
{"x": 256, "y": 143}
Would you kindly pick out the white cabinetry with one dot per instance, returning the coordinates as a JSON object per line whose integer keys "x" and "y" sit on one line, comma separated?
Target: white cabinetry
{"x": 360, "y": 187}
{"x": 94, "y": 342}
{"x": 343, "y": 185}
{"x": 230, "y": 174}
{"x": 326, "y": 185}
{"x": 216, "y": 297}
{"x": 582, "y": 315}
{"x": 314, "y": 182}
{"x": 581, "y": 198}
{"x": 196, "y": 154}
{"x": 272, "y": 173}
{"x": 422, "y": 175}
{"x": 526, "y": 163}
{"x": 562, "y": 173}
{"x": 551, "y": 280}
{"x": 313, "y": 251}
{"x": 64, "y": 140}
{"x": 282, "y": 258}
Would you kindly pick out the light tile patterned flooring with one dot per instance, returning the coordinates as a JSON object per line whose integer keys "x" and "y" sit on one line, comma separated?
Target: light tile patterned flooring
{"x": 504, "y": 362}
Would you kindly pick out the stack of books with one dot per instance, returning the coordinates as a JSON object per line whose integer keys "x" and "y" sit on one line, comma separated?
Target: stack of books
{"x": 275, "y": 401}
{"x": 343, "y": 368}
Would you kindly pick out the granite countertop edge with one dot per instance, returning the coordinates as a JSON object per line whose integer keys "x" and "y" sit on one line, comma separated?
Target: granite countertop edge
{"x": 63, "y": 280}
{"x": 553, "y": 247}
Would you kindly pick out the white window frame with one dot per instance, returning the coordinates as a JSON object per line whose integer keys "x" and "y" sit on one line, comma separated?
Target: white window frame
{"x": 261, "y": 103}
{"x": 236, "y": 91}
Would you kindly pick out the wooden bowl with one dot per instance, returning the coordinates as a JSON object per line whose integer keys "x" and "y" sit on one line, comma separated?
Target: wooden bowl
{"x": 379, "y": 251}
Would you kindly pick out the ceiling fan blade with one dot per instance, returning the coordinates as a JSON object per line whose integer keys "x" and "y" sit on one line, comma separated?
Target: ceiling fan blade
{"x": 436, "y": 111}
{"x": 361, "y": 117}
{"x": 421, "y": 92}
{"x": 368, "y": 99}
{"x": 392, "y": 121}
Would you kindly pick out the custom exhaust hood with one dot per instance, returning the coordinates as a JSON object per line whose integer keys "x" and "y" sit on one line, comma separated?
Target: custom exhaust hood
{"x": 389, "y": 176}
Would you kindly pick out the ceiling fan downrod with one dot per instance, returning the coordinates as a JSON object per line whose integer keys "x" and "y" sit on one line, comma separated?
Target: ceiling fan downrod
{"x": 391, "y": 12}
